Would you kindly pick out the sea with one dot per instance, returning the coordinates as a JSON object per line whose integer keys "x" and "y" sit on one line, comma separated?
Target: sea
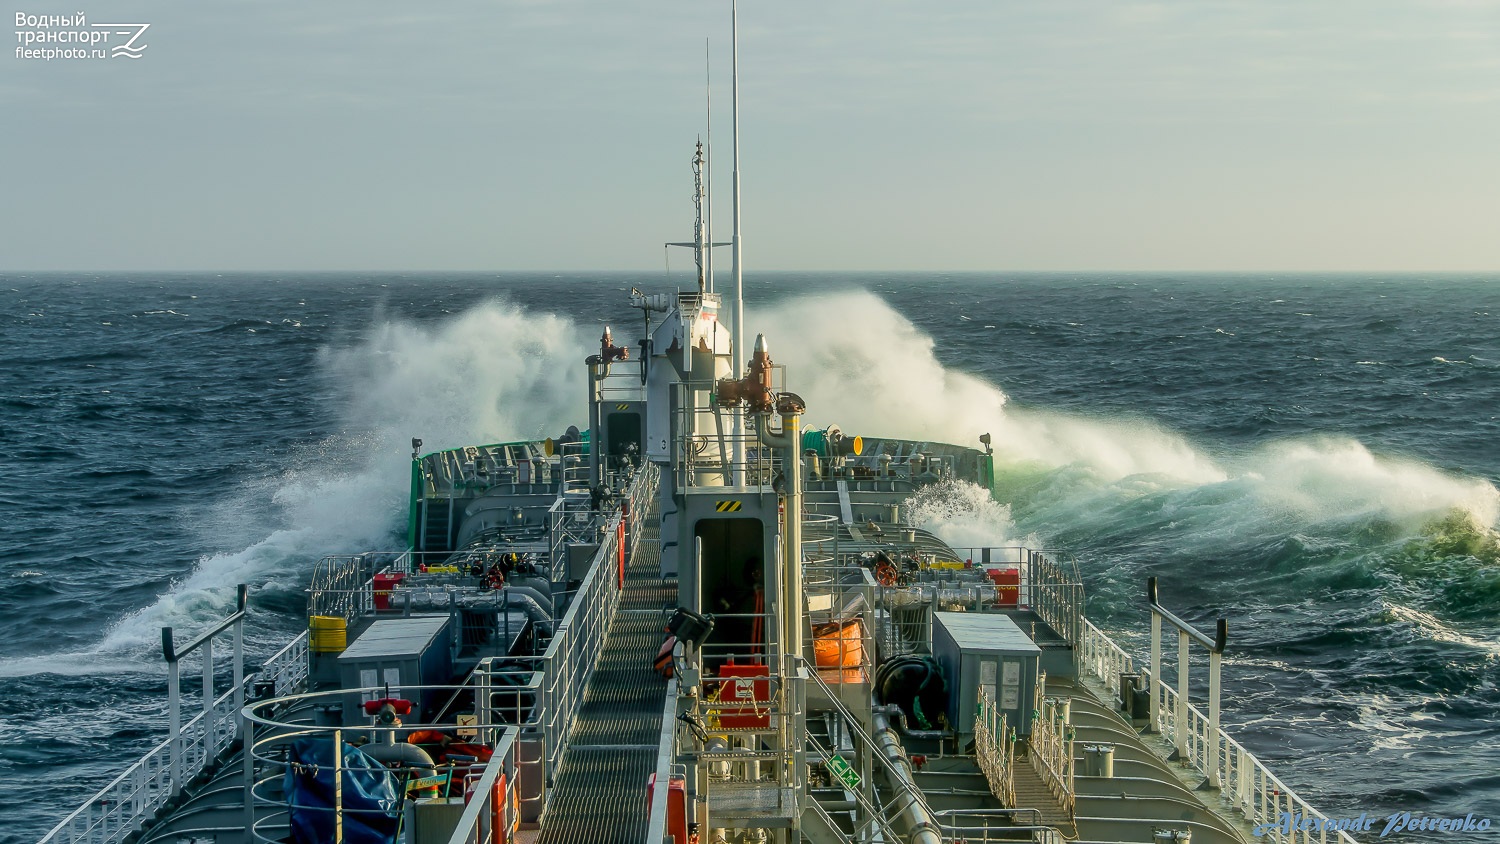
{"x": 1311, "y": 457}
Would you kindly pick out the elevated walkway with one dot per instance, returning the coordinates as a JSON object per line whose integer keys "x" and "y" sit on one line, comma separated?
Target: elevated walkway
{"x": 600, "y": 794}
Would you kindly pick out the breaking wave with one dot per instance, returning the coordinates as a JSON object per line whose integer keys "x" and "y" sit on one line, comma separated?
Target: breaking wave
{"x": 1313, "y": 504}
{"x": 495, "y": 373}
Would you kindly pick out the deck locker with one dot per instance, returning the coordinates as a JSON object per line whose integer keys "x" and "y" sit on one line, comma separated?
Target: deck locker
{"x": 986, "y": 650}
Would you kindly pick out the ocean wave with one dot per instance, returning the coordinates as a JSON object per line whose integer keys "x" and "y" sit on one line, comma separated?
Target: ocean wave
{"x": 493, "y": 374}
{"x": 1431, "y": 627}
{"x": 1312, "y": 512}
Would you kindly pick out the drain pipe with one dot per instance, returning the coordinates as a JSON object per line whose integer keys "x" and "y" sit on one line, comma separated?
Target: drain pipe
{"x": 924, "y": 827}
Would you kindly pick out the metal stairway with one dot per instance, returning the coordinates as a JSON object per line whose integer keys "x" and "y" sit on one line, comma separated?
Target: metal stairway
{"x": 1032, "y": 793}
{"x": 600, "y": 791}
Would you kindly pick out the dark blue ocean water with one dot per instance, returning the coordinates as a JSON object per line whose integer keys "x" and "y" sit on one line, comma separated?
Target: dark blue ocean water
{"x": 1311, "y": 456}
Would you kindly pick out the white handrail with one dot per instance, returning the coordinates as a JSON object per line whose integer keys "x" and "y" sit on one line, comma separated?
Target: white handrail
{"x": 121, "y": 808}
{"x": 1246, "y": 784}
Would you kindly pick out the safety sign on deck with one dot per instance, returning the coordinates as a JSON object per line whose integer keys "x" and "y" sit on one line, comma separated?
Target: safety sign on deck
{"x": 840, "y": 767}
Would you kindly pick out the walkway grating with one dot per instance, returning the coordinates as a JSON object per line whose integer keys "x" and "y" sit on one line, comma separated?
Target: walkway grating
{"x": 600, "y": 793}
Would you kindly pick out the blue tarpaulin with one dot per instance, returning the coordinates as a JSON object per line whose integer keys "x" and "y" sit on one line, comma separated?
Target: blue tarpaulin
{"x": 371, "y": 799}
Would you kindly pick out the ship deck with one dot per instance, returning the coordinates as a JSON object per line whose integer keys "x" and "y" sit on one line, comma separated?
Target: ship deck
{"x": 600, "y": 793}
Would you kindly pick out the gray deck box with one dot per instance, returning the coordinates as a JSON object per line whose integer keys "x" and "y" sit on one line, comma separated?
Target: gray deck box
{"x": 988, "y": 650}
{"x": 401, "y": 652}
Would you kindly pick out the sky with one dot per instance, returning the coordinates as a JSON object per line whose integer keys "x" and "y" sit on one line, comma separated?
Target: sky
{"x": 1358, "y": 135}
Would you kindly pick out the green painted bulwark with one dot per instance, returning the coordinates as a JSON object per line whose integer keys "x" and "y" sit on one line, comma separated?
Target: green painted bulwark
{"x": 416, "y": 499}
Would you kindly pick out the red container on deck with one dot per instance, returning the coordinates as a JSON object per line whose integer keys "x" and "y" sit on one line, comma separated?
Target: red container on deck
{"x": 676, "y": 806}
{"x": 384, "y": 582}
{"x": 1009, "y": 581}
{"x": 755, "y": 694}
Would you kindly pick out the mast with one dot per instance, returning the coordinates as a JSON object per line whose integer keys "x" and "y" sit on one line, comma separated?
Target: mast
{"x": 708, "y": 214}
{"x": 737, "y": 327}
{"x": 700, "y": 241}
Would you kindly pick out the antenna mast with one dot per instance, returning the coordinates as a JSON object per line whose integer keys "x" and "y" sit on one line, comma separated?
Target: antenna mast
{"x": 738, "y": 312}
{"x": 700, "y": 242}
{"x": 708, "y": 165}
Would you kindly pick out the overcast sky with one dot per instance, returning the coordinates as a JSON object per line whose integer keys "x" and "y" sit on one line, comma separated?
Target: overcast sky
{"x": 970, "y": 134}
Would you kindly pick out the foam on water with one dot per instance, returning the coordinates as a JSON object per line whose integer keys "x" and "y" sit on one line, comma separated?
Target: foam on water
{"x": 495, "y": 373}
{"x": 863, "y": 365}
{"x": 962, "y": 514}
{"x": 1430, "y": 627}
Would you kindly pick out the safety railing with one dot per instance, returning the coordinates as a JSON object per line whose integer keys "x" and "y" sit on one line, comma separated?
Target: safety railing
{"x": 624, "y": 381}
{"x": 492, "y": 812}
{"x": 285, "y": 672}
{"x": 1048, "y": 584}
{"x": 708, "y": 451}
{"x": 1245, "y": 784}
{"x": 388, "y": 762}
{"x": 458, "y": 472}
{"x": 1044, "y": 582}
{"x": 573, "y": 525}
{"x": 902, "y": 797}
{"x": 1051, "y": 745}
{"x": 1056, "y": 594}
{"x": 551, "y": 686}
{"x": 746, "y": 733}
{"x": 340, "y": 587}
{"x": 994, "y": 826}
{"x": 573, "y": 459}
{"x": 995, "y": 748}
{"x": 120, "y": 809}
{"x": 123, "y": 807}
{"x": 666, "y": 752}
{"x": 1103, "y": 658}
{"x": 542, "y": 694}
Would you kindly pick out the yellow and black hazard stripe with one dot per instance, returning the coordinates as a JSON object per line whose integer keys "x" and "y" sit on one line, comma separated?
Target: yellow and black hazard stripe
{"x": 728, "y": 506}
{"x": 622, "y": 406}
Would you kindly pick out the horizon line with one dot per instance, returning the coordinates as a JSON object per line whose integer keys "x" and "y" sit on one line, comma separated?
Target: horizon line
{"x": 688, "y": 272}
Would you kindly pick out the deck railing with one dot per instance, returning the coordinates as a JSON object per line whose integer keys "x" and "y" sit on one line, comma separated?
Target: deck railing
{"x": 494, "y": 788}
{"x": 1103, "y": 658}
{"x": 996, "y": 750}
{"x": 551, "y": 686}
{"x": 1245, "y": 784}
{"x": 123, "y": 807}
{"x": 1051, "y": 745}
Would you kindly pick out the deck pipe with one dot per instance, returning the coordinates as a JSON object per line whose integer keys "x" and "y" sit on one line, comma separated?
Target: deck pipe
{"x": 924, "y": 827}
{"x": 897, "y": 720}
{"x": 923, "y": 594}
{"x": 524, "y": 598}
{"x": 789, "y": 441}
